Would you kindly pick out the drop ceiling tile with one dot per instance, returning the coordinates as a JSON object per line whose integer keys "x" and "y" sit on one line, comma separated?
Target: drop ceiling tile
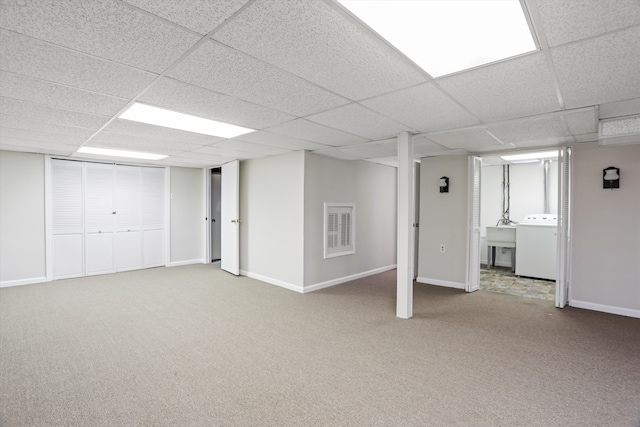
{"x": 127, "y": 127}
{"x": 386, "y": 161}
{"x": 514, "y": 88}
{"x": 281, "y": 141}
{"x": 369, "y": 150}
{"x": 182, "y": 162}
{"x": 40, "y": 146}
{"x": 619, "y": 108}
{"x": 358, "y": 120}
{"x": 137, "y": 143}
{"x": 581, "y": 123}
{"x": 197, "y": 15}
{"x": 490, "y": 148}
{"x": 466, "y": 139}
{"x": 547, "y": 142}
{"x": 233, "y": 73}
{"x": 337, "y": 153}
{"x": 227, "y": 152}
{"x": 588, "y": 137}
{"x": 30, "y": 57}
{"x": 250, "y": 147}
{"x": 179, "y": 96}
{"x": 51, "y": 115}
{"x": 33, "y": 135}
{"x": 424, "y": 108}
{"x": 599, "y": 70}
{"x": 107, "y": 29}
{"x": 567, "y": 21}
{"x": 25, "y": 149}
{"x": 16, "y": 122}
{"x": 55, "y": 95}
{"x": 422, "y": 145}
{"x": 532, "y": 130}
{"x": 310, "y": 131}
{"x": 305, "y": 37}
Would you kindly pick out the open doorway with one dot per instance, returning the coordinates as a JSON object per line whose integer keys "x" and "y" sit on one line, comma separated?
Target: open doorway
{"x": 521, "y": 212}
{"x": 215, "y": 234}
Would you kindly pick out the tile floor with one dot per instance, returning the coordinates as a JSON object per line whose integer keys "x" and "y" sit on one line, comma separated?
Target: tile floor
{"x": 503, "y": 280}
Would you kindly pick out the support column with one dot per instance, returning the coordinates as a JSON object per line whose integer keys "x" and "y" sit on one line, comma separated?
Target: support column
{"x": 404, "y": 299}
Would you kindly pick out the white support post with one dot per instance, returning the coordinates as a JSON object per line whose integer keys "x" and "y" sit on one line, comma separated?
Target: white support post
{"x": 404, "y": 299}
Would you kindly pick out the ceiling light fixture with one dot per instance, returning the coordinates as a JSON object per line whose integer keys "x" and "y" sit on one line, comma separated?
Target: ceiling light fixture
{"x": 144, "y": 113}
{"x": 443, "y": 37}
{"x": 120, "y": 153}
{"x": 530, "y": 156}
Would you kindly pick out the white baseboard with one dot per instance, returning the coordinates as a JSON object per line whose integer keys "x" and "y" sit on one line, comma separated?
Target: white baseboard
{"x": 187, "y": 262}
{"x": 349, "y": 278}
{"x": 30, "y": 281}
{"x": 605, "y": 308}
{"x": 498, "y": 263}
{"x": 444, "y": 283}
{"x": 271, "y": 281}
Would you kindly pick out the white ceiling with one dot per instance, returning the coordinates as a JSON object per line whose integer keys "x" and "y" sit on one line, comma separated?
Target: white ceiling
{"x": 305, "y": 74}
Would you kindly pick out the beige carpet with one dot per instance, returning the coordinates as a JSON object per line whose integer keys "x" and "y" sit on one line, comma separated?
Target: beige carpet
{"x": 194, "y": 346}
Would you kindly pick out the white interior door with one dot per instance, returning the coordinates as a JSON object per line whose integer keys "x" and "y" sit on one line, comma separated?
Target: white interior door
{"x": 128, "y": 205}
{"x": 473, "y": 258}
{"x": 564, "y": 227}
{"x": 229, "y": 218}
{"x": 99, "y": 218}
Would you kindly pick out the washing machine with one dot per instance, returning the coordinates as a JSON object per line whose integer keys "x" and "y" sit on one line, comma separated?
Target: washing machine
{"x": 537, "y": 246}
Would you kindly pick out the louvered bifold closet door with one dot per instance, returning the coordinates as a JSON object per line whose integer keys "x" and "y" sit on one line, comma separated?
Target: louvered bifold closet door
{"x": 128, "y": 218}
{"x": 99, "y": 218}
{"x": 67, "y": 218}
{"x": 153, "y": 218}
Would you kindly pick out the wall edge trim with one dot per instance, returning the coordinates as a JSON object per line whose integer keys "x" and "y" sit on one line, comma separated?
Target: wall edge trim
{"x": 349, "y": 278}
{"x": 438, "y": 282}
{"x": 621, "y": 311}
{"x": 271, "y": 281}
{"x": 20, "y": 282}
{"x": 186, "y": 262}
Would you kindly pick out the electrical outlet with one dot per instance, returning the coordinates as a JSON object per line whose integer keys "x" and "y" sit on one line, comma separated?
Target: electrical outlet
{"x": 441, "y": 248}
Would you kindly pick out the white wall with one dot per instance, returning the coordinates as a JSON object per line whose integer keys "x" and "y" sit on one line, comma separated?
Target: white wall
{"x": 373, "y": 189}
{"x": 272, "y": 214}
{"x": 527, "y": 197}
{"x": 22, "y": 218}
{"x": 606, "y": 231}
{"x": 187, "y": 215}
{"x": 443, "y": 220}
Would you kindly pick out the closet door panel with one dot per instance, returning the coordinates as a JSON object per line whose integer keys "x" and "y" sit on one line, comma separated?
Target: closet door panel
{"x": 128, "y": 250}
{"x": 67, "y": 255}
{"x": 98, "y": 201}
{"x": 154, "y": 244}
{"x": 99, "y": 253}
{"x": 128, "y": 203}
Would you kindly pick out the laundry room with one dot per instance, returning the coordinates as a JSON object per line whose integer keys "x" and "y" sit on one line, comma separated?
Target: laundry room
{"x": 519, "y": 206}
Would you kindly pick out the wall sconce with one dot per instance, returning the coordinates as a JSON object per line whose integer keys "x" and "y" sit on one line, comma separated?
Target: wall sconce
{"x": 611, "y": 177}
{"x": 444, "y": 184}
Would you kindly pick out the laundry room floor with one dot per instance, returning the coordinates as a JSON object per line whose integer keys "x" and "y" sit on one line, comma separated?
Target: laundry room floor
{"x": 503, "y": 280}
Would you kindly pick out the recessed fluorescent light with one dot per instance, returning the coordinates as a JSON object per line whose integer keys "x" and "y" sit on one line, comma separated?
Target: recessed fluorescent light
{"x": 120, "y": 153}
{"x": 530, "y": 156}
{"x": 444, "y": 37}
{"x": 171, "y": 119}
{"x": 517, "y": 162}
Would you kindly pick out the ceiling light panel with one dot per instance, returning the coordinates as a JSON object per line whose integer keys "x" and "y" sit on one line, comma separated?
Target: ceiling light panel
{"x": 307, "y": 36}
{"x": 172, "y": 119}
{"x": 358, "y": 120}
{"x": 59, "y": 96}
{"x": 425, "y": 108}
{"x": 35, "y": 58}
{"x": 228, "y": 71}
{"x": 157, "y": 133}
{"x": 107, "y": 29}
{"x": 120, "y": 153}
{"x": 479, "y": 32}
{"x": 531, "y": 156}
{"x": 519, "y": 87}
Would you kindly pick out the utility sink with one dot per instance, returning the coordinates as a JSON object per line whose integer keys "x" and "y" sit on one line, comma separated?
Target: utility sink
{"x": 503, "y": 236}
